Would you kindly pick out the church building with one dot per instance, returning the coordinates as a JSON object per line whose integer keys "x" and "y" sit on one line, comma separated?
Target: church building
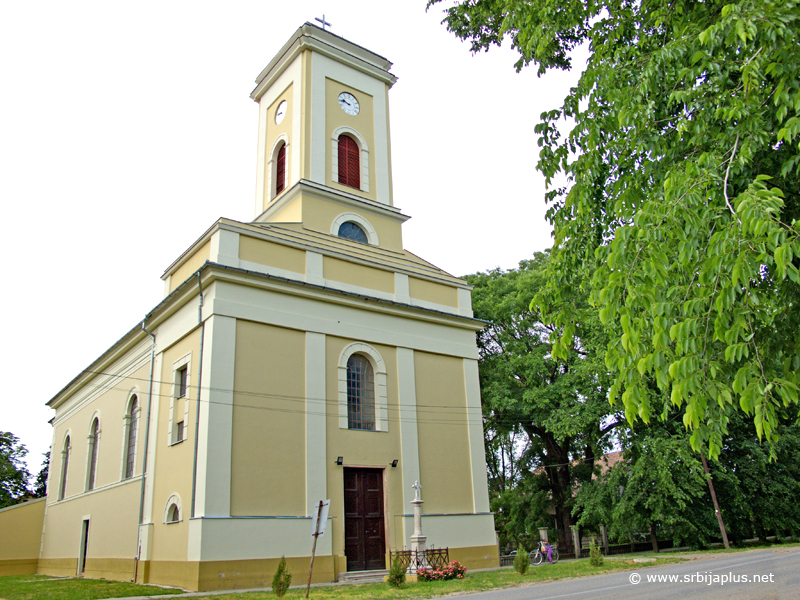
{"x": 300, "y": 357}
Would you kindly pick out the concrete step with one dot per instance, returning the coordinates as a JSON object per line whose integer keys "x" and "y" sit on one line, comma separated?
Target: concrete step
{"x": 363, "y": 576}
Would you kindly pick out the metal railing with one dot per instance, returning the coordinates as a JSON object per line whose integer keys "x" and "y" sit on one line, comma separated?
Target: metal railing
{"x": 435, "y": 557}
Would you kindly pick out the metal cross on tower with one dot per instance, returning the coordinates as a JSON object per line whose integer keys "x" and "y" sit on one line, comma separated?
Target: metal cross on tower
{"x": 323, "y": 22}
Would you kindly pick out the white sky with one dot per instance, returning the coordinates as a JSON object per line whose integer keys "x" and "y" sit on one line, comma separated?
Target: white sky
{"x": 126, "y": 130}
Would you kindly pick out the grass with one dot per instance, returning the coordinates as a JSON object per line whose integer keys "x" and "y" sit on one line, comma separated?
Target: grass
{"x": 39, "y": 587}
{"x": 42, "y": 587}
{"x": 473, "y": 582}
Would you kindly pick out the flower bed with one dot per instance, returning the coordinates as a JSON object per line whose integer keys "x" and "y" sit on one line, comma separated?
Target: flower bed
{"x": 452, "y": 570}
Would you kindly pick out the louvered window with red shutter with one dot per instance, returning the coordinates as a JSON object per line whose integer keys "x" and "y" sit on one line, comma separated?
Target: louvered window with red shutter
{"x": 349, "y": 167}
{"x": 280, "y": 170}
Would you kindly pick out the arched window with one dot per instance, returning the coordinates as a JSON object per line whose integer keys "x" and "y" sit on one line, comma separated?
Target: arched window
{"x": 360, "y": 393}
{"x": 62, "y": 489}
{"x": 280, "y": 170}
{"x": 172, "y": 510}
{"x": 351, "y": 231}
{"x": 173, "y": 514}
{"x": 130, "y": 443}
{"x": 93, "y": 439}
{"x": 349, "y": 163}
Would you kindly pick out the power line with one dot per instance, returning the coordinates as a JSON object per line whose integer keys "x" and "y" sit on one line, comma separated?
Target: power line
{"x": 468, "y": 415}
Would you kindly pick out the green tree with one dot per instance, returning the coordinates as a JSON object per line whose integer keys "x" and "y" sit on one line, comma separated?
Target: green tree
{"x": 40, "y": 483}
{"x": 756, "y": 495}
{"x": 659, "y": 487}
{"x": 13, "y": 472}
{"x": 681, "y": 194}
{"x": 545, "y": 420}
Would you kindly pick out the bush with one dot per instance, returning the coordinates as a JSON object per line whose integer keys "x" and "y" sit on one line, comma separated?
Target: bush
{"x": 453, "y": 570}
{"x": 397, "y": 573}
{"x": 521, "y": 563}
{"x": 595, "y": 556}
{"x": 282, "y": 579}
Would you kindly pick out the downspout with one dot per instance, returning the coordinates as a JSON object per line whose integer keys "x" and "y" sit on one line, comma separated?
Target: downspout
{"x": 199, "y": 388}
{"x": 146, "y": 442}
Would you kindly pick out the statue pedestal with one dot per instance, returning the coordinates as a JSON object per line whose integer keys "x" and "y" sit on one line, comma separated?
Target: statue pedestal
{"x": 418, "y": 557}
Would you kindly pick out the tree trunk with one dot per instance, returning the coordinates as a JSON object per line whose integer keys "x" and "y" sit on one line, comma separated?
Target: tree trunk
{"x": 653, "y": 538}
{"x": 714, "y": 499}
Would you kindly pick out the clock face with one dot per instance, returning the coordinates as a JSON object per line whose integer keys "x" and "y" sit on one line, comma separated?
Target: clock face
{"x": 280, "y": 113}
{"x": 348, "y": 103}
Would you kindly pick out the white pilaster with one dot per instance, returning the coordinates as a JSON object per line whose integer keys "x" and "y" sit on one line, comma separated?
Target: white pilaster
{"x": 381, "y": 153}
{"x": 480, "y": 486}
{"x": 401, "y": 293}
{"x": 409, "y": 440}
{"x": 464, "y": 302}
{"x": 314, "y": 273}
{"x": 146, "y": 528}
{"x": 152, "y": 442}
{"x": 225, "y": 248}
{"x": 317, "y": 137}
{"x": 213, "y": 492}
{"x": 316, "y": 454}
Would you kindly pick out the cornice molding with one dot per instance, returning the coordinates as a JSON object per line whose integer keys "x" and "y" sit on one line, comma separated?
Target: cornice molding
{"x": 311, "y": 37}
{"x": 328, "y": 193}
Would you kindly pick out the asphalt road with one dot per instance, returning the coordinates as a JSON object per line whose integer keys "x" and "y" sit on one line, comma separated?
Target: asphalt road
{"x": 727, "y": 576}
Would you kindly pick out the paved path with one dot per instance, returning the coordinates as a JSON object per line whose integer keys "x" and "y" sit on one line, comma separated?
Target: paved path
{"x": 714, "y": 577}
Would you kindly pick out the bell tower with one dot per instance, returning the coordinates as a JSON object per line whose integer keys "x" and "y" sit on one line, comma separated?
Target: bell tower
{"x": 323, "y": 127}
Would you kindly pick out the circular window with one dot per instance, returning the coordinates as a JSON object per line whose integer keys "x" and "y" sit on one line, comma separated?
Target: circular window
{"x": 351, "y": 231}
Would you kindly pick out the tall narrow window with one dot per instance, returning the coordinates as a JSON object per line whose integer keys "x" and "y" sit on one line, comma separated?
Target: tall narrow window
{"x": 280, "y": 170}
{"x": 133, "y": 425}
{"x": 179, "y": 404}
{"x": 93, "y": 438}
{"x": 349, "y": 164}
{"x": 62, "y": 489}
{"x": 360, "y": 393}
{"x": 182, "y": 382}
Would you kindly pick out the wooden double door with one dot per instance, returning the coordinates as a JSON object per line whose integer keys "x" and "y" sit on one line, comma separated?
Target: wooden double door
{"x": 364, "y": 531}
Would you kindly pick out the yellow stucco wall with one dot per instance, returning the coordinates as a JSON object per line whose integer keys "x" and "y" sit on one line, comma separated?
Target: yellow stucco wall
{"x": 113, "y": 513}
{"x": 173, "y": 463}
{"x": 21, "y": 528}
{"x": 233, "y": 574}
{"x": 275, "y": 130}
{"x": 268, "y": 447}
{"x": 363, "y": 123}
{"x": 114, "y": 501}
{"x": 271, "y": 254}
{"x": 477, "y": 557}
{"x": 363, "y": 448}
{"x": 359, "y": 275}
{"x": 319, "y": 214}
{"x": 109, "y": 407}
{"x": 444, "y": 452}
{"x": 422, "y": 289}
{"x": 291, "y": 213}
{"x": 194, "y": 262}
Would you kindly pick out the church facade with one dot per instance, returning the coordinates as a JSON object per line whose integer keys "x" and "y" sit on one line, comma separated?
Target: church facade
{"x": 299, "y": 357}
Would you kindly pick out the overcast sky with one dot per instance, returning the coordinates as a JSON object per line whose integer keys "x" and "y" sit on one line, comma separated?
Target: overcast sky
{"x": 126, "y": 130}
